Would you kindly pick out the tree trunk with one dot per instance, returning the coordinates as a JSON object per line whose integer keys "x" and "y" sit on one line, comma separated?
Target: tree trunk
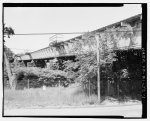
{"x": 12, "y": 78}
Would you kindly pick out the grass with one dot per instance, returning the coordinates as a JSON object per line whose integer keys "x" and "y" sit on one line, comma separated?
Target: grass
{"x": 52, "y": 96}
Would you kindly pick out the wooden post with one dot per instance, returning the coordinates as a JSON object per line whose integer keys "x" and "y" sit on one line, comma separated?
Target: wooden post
{"x": 118, "y": 88}
{"x": 28, "y": 84}
{"x": 59, "y": 94}
{"x": 108, "y": 86}
{"x": 89, "y": 88}
{"x": 98, "y": 66}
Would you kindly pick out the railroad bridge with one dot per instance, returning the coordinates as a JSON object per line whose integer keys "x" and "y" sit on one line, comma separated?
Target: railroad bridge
{"x": 63, "y": 50}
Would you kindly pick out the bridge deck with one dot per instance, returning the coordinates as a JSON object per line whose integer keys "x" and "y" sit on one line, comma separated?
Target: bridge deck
{"x": 65, "y": 47}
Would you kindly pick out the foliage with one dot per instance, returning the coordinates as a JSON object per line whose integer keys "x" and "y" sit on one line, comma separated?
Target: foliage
{"x": 85, "y": 66}
{"x": 39, "y": 77}
{"x": 55, "y": 44}
{"x": 9, "y": 53}
{"x": 54, "y": 78}
{"x": 53, "y": 65}
{"x": 8, "y": 31}
{"x": 53, "y": 96}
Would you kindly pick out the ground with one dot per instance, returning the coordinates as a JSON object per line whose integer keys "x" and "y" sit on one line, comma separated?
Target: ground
{"x": 119, "y": 110}
{"x": 65, "y": 101}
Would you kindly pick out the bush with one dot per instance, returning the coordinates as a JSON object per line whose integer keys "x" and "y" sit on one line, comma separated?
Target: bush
{"x": 54, "y": 77}
{"x": 38, "y": 77}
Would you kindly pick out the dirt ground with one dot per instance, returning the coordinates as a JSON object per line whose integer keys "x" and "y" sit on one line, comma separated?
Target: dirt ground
{"x": 116, "y": 110}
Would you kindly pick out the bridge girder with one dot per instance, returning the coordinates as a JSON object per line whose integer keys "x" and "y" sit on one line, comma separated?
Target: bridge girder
{"x": 65, "y": 47}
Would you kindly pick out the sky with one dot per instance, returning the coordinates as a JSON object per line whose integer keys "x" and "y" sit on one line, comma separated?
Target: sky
{"x": 57, "y": 20}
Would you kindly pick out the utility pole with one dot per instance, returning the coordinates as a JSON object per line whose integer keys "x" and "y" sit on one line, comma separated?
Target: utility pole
{"x": 97, "y": 37}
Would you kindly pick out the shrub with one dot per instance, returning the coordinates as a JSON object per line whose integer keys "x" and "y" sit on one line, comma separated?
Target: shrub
{"x": 54, "y": 77}
{"x": 38, "y": 77}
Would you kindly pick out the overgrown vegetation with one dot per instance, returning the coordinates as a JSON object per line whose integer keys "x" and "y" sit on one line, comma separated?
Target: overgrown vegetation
{"x": 52, "y": 97}
{"x": 38, "y": 77}
{"x": 118, "y": 75}
{"x": 84, "y": 69}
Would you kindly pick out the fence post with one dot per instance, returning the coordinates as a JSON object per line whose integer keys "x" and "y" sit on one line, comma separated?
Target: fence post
{"x": 118, "y": 87}
{"x": 89, "y": 88}
{"x": 28, "y": 84}
{"x": 108, "y": 86}
{"x": 59, "y": 92}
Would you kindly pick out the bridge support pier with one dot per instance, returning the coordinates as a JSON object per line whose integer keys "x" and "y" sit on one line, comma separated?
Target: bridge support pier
{"x": 24, "y": 63}
{"x": 47, "y": 63}
{"x": 31, "y": 63}
{"x": 40, "y": 63}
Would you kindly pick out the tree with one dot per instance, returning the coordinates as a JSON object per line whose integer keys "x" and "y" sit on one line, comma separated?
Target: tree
{"x": 10, "y": 56}
{"x": 9, "y": 53}
{"x": 8, "y": 31}
{"x": 12, "y": 82}
{"x": 86, "y": 62}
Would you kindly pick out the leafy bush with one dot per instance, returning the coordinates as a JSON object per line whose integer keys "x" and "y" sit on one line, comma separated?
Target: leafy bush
{"x": 84, "y": 69}
{"x": 39, "y": 77}
{"x": 54, "y": 78}
{"x": 53, "y": 65}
